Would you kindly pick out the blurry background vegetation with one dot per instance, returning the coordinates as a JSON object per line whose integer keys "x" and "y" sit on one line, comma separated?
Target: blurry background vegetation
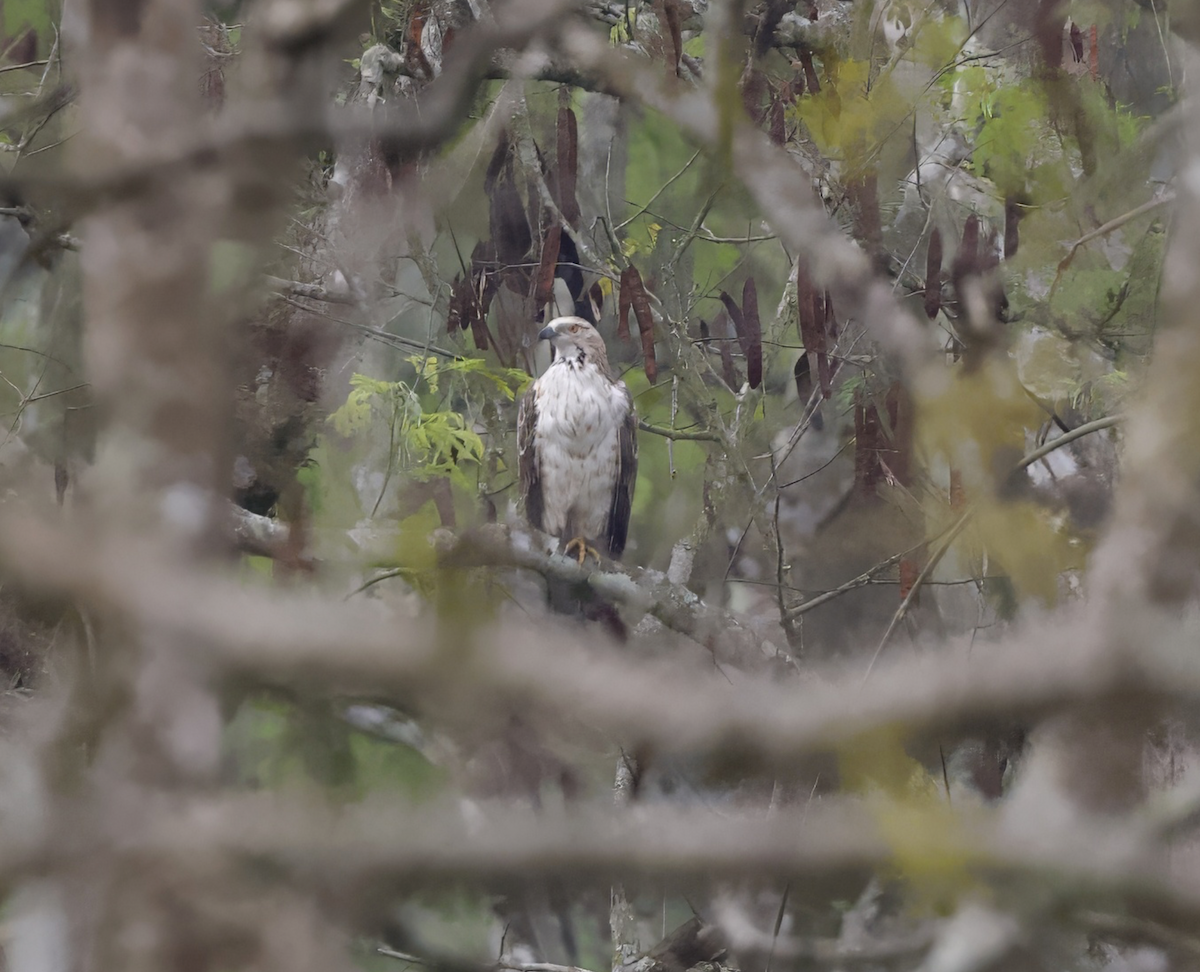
{"x": 904, "y": 674}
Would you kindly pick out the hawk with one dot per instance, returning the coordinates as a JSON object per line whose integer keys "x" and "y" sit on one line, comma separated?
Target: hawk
{"x": 577, "y": 440}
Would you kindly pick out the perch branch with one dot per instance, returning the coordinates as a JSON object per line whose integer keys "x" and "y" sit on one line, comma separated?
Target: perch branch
{"x": 282, "y": 638}
{"x": 257, "y": 535}
{"x": 644, "y": 591}
{"x": 311, "y": 291}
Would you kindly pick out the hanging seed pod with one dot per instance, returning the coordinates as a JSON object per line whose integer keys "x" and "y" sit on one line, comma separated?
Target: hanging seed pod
{"x": 567, "y": 164}
{"x": 810, "y": 73}
{"x": 545, "y": 274}
{"x": 625, "y": 301}
{"x": 645, "y": 320}
{"x": 750, "y": 334}
{"x": 1012, "y": 220}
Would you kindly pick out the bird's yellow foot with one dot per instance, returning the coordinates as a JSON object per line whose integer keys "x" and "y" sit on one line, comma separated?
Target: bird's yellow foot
{"x": 582, "y": 550}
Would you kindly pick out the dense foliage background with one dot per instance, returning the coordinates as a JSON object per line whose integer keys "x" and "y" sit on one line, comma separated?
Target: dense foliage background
{"x": 899, "y": 667}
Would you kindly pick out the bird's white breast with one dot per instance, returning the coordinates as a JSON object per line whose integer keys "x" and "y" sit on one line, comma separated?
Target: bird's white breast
{"x": 580, "y": 414}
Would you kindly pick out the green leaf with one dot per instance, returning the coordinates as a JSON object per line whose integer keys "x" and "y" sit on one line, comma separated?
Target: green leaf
{"x": 847, "y": 119}
{"x": 355, "y": 416}
{"x": 938, "y": 41}
{"x": 1015, "y": 137}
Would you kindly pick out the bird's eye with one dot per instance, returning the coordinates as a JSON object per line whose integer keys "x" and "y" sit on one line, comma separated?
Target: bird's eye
{"x": 574, "y": 328}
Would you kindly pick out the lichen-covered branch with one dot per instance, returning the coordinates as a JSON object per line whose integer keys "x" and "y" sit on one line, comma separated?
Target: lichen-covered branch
{"x": 643, "y": 591}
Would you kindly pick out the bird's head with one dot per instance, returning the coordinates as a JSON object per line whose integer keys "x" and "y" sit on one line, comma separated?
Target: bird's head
{"x": 573, "y": 337}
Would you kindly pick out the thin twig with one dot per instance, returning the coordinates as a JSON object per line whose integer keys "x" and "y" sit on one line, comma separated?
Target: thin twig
{"x": 666, "y": 185}
{"x": 860, "y": 581}
{"x": 678, "y": 434}
{"x": 1106, "y": 228}
{"x": 1067, "y": 437}
{"x": 22, "y": 67}
{"x": 825, "y": 465}
{"x": 783, "y": 900}
{"x": 787, "y": 620}
{"x": 694, "y": 229}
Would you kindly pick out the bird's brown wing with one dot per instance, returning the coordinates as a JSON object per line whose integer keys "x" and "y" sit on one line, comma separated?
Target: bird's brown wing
{"x": 622, "y": 496}
{"x": 528, "y": 462}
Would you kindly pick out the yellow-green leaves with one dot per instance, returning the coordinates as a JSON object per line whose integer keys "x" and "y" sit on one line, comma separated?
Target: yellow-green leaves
{"x": 354, "y": 417}
{"x": 847, "y": 119}
{"x": 475, "y": 373}
{"x": 1024, "y": 539}
{"x": 439, "y": 441}
{"x": 876, "y": 762}
{"x": 909, "y": 806}
{"x": 977, "y": 424}
{"x": 427, "y": 444}
{"x": 975, "y": 418}
{"x": 1016, "y": 138}
{"x": 938, "y": 41}
{"x": 632, "y": 245}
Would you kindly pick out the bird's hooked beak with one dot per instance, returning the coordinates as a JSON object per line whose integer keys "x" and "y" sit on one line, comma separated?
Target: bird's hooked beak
{"x": 571, "y": 331}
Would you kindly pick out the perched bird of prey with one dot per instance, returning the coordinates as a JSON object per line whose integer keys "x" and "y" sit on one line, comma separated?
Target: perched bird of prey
{"x": 577, "y": 438}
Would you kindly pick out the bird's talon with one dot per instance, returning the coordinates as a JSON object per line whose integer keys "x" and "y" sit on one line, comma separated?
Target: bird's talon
{"x": 582, "y": 550}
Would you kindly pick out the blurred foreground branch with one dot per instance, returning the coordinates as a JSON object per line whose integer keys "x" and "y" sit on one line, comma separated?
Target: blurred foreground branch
{"x": 275, "y": 638}
{"x": 356, "y": 855}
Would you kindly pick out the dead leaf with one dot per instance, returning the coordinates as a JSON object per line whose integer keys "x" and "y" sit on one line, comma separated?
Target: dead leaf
{"x": 810, "y": 314}
{"x": 625, "y": 302}
{"x": 507, "y": 220}
{"x": 750, "y": 334}
{"x": 754, "y": 86}
{"x": 863, "y": 194}
{"x": 645, "y": 320}
{"x": 1012, "y": 220}
{"x": 545, "y": 276}
{"x": 810, "y": 73}
{"x": 734, "y": 312}
{"x": 802, "y": 373}
{"x": 567, "y": 163}
{"x": 483, "y": 289}
{"x": 1048, "y": 22}
{"x": 966, "y": 260}
{"x": 910, "y": 570}
{"x": 729, "y": 372}
{"x": 460, "y": 301}
{"x": 671, "y": 26}
{"x": 415, "y": 57}
{"x": 1076, "y": 41}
